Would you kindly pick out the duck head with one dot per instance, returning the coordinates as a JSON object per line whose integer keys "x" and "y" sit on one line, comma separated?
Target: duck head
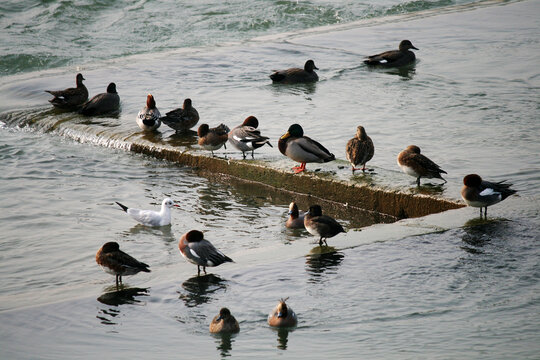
{"x": 309, "y": 66}
{"x": 314, "y": 210}
{"x": 203, "y": 130}
{"x": 78, "y": 79}
{"x": 406, "y": 45}
{"x": 472, "y": 180}
{"x": 361, "y": 133}
{"x": 194, "y": 236}
{"x": 110, "y": 247}
{"x": 293, "y": 209}
{"x": 150, "y": 102}
{"x": 187, "y": 104}
{"x": 414, "y": 149}
{"x": 223, "y": 314}
{"x": 111, "y": 89}
{"x": 251, "y": 121}
{"x": 295, "y": 130}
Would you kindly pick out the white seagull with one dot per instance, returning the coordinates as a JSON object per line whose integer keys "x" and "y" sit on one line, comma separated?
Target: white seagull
{"x": 151, "y": 217}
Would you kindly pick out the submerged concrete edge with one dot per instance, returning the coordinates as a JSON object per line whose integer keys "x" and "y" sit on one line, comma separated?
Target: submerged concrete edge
{"x": 390, "y": 202}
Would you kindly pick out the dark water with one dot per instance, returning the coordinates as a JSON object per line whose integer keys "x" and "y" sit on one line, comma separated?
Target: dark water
{"x": 442, "y": 287}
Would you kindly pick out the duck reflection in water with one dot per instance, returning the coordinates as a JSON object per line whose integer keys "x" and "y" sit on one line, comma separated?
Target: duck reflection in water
{"x": 224, "y": 343}
{"x": 201, "y": 289}
{"x": 322, "y": 259}
{"x": 186, "y": 139}
{"x": 123, "y": 295}
{"x": 478, "y": 232}
{"x": 283, "y": 337}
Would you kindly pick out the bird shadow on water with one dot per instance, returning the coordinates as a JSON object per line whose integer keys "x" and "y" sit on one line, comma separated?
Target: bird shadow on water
{"x": 200, "y": 289}
{"x": 224, "y": 343}
{"x": 115, "y": 296}
{"x": 294, "y": 89}
{"x": 322, "y": 259}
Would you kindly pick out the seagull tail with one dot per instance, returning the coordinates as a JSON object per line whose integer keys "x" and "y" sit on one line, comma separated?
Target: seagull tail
{"x": 124, "y": 207}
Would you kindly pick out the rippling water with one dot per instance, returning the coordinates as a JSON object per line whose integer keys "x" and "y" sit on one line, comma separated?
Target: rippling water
{"x": 468, "y": 289}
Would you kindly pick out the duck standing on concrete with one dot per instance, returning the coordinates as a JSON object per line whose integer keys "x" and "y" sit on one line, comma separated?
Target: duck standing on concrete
{"x": 70, "y": 98}
{"x": 247, "y": 137}
{"x": 296, "y": 75}
{"x": 224, "y": 323}
{"x": 213, "y": 138}
{"x": 360, "y": 149}
{"x": 116, "y": 262}
{"x": 151, "y": 217}
{"x": 195, "y": 249}
{"x": 394, "y": 58}
{"x": 282, "y": 315}
{"x": 479, "y": 193}
{"x": 182, "y": 119}
{"x": 302, "y": 149}
{"x": 415, "y": 164}
{"x": 104, "y": 103}
{"x": 321, "y": 225}
{"x": 296, "y": 218}
{"x": 148, "y": 118}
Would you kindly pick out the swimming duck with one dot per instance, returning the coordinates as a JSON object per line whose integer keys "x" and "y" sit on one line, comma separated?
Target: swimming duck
{"x": 321, "y": 225}
{"x": 213, "y": 138}
{"x": 224, "y": 323}
{"x": 415, "y": 164}
{"x": 182, "y": 119}
{"x": 296, "y": 75}
{"x": 246, "y": 137}
{"x": 360, "y": 149}
{"x": 104, "y": 103}
{"x": 479, "y": 193}
{"x": 150, "y": 217}
{"x": 148, "y": 118}
{"x": 70, "y": 98}
{"x": 116, "y": 262}
{"x": 282, "y": 315}
{"x": 296, "y": 218}
{"x": 394, "y": 58}
{"x": 200, "y": 252}
{"x": 298, "y": 147}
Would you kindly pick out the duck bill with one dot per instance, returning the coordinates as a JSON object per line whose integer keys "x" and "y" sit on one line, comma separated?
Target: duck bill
{"x": 284, "y": 136}
{"x": 415, "y": 48}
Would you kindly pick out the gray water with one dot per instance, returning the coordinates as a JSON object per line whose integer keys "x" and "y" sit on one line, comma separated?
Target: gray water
{"x": 465, "y": 290}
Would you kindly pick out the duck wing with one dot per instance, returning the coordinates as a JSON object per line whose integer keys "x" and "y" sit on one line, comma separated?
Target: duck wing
{"x": 309, "y": 150}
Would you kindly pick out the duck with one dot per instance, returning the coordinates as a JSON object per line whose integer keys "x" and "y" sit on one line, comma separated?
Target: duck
{"x": 246, "y": 137}
{"x": 481, "y": 194}
{"x": 182, "y": 119}
{"x": 104, "y": 103}
{"x": 394, "y": 58}
{"x": 296, "y": 218}
{"x": 213, "y": 138}
{"x": 199, "y": 251}
{"x": 151, "y": 217}
{"x": 282, "y": 315}
{"x": 359, "y": 149}
{"x": 303, "y": 149}
{"x": 116, "y": 262}
{"x": 148, "y": 118}
{"x": 70, "y": 98}
{"x": 224, "y": 323}
{"x": 417, "y": 165}
{"x": 296, "y": 75}
{"x": 321, "y": 225}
